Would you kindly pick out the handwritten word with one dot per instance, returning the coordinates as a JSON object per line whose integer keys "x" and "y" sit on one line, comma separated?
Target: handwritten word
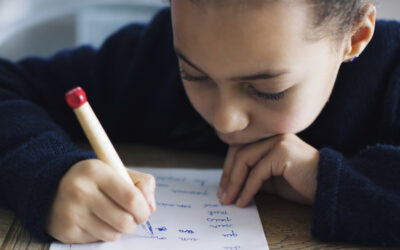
{"x": 187, "y": 239}
{"x": 161, "y": 228}
{"x": 188, "y": 231}
{"x": 155, "y": 237}
{"x": 230, "y": 235}
{"x": 163, "y": 204}
{"x": 218, "y": 212}
{"x": 170, "y": 178}
{"x": 221, "y": 225}
{"x": 201, "y": 182}
{"x": 232, "y": 248}
{"x": 212, "y": 205}
{"x": 205, "y": 192}
{"x": 219, "y": 219}
{"x": 162, "y": 185}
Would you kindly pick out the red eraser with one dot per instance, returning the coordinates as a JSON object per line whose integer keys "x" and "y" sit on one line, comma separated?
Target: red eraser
{"x": 76, "y": 97}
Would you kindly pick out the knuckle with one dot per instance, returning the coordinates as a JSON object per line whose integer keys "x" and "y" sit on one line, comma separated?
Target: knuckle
{"x": 287, "y": 163}
{"x": 124, "y": 223}
{"x": 77, "y": 191}
{"x": 130, "y": 198}
{"x": 283, "y": 137}
{"x": 90, "y": 169}
{"x": 283, "y": 146}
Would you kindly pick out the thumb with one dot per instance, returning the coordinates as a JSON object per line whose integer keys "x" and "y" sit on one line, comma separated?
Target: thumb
{"x": 145, "y": 183}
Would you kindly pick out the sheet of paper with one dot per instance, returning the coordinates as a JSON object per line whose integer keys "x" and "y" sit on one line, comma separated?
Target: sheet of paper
{"x": 189, "y": 216}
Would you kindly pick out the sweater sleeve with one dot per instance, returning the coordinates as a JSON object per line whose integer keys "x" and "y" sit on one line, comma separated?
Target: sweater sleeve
{"x": 36, "y": 126}
{"x": 358, "y": 196}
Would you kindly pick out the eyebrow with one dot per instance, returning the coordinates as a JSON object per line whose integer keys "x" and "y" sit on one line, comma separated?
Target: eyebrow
{"x": 253, "y": 77}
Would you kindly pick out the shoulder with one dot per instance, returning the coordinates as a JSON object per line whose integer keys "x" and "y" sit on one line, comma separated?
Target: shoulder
{"x": 385, "y": 51}
{"x": 161, "y": 21}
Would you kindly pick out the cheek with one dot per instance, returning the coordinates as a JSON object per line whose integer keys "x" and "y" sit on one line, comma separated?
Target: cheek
{"x": 306, "y": 105}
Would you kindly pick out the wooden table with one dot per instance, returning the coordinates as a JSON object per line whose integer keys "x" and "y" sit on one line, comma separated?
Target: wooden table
{"x": 286, "y": 224}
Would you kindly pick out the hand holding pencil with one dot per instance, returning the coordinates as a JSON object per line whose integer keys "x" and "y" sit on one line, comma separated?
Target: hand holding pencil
{"x": 98, "y": 200}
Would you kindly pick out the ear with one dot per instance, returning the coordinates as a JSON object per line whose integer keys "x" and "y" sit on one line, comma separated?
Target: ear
{"x": 361, "y": 33}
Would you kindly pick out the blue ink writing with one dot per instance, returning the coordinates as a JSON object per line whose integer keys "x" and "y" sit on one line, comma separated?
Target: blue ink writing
{"x": 219, "y": 219}
{"x": 188, "y": 231}
{"x": 232, "y": 248}
{"x": 170, "y": 178}
{"x": 230, "y": 235}
{"x": 164, "y": 204}
{"x": 212, "y": 205}
{"x": 155, "y": 237}
{"x": 218, "y": 212}
{"x": 161, "y": 228}
{"x": 201, "y": 182}
{"x": 205, "y": 192}
{"x": 188, "y": 239}
{"x": 221, "y": 225}
{"x": 162, "y": 185}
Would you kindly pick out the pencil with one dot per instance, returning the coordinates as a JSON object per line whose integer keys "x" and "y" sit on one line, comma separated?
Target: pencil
{"x": 98, "y": 139}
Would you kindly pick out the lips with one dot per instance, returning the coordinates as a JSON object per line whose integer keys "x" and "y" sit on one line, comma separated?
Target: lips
{"x": 232, "y": 141}
{"x": 235, "y": 142}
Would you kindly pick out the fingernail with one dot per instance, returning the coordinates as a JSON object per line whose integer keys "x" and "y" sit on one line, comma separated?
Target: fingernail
{"x": 239, "y": 202}
{"x": 152, "y": 202}
{"x": 219, "y": 192}
{"x": 223, "y": 196}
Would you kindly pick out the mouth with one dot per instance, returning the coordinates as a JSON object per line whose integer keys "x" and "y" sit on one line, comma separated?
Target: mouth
{"x": 231, "y": 141}
{"x": 235, "y": 142}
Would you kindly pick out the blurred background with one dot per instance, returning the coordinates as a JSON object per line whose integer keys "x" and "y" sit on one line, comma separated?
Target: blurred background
{"x": 41, "y": 27}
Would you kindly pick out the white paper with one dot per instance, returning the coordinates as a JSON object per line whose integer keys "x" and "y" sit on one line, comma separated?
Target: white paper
{"x": 189, "y": 216}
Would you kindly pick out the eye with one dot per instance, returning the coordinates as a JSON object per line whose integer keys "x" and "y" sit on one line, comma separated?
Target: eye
{"x": 267, "y": 96}
{"x": 187, "y": 77}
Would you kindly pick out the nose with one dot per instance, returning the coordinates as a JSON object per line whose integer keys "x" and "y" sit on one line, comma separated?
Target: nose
{"x": 230, "y": 117}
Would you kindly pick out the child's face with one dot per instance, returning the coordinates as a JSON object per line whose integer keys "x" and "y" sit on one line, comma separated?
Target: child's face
{"x": 250, "y": 70}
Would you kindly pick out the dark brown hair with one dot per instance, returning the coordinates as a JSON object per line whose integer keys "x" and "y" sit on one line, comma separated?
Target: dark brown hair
{"x": 334, "y": 17}
{"x": 330, "y": 17}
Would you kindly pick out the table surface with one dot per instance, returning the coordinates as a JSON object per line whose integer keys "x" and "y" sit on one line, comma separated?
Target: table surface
{"x": 286, "y": 224}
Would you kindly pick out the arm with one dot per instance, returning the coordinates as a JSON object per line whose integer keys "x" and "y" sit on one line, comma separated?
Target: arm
{"x": 35, "y": 150}
{"x": 358, "y": 198}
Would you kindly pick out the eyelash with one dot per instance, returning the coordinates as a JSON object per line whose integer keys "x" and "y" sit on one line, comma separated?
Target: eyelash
{"x": 190, "y": 78}
{"x": 268, "y": 96}
{"x": 254, "y": 92}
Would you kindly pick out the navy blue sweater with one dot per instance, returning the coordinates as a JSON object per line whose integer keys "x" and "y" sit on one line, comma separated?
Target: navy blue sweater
{"x": 134, "y": 86}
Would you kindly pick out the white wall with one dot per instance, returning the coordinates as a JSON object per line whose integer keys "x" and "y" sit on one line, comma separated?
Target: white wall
{"x": 42, "y": 27}
{"x": 388, "y": 9}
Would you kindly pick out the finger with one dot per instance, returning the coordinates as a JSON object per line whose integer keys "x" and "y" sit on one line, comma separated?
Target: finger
{"x": 113, "y": 215}
{"x": 85, "y": 237}
{"x": 245, "y": 159}
{"x": 100, "y": 230}
{"x": 285, "y": 190}
{"x": 229, "y": 159}
{"x": 257, "y": 176}
{"x": 73, "y": 235}
{"x": 147, "y": 184}
{"x": 124, "y": 194}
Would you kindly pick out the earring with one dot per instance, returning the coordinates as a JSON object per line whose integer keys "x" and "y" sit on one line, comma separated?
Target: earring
{"x": 352, "y": 59}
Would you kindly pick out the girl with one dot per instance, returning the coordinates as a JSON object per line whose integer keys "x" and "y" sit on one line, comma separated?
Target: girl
{"x": 300, "y": 93}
